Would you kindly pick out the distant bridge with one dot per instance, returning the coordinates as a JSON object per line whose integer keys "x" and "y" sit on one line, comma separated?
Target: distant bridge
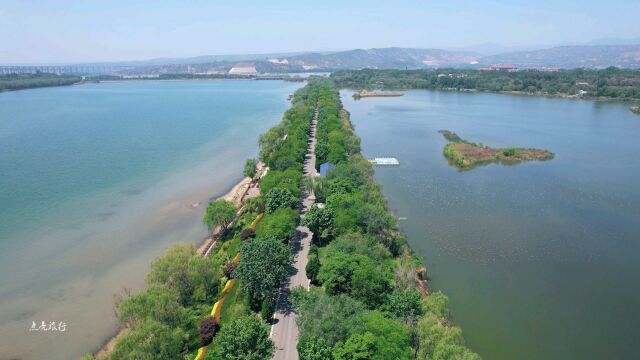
{"x": 64, "y": 69}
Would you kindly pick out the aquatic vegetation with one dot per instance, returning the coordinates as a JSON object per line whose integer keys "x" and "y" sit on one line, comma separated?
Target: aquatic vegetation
{"x": 466, "y": 155}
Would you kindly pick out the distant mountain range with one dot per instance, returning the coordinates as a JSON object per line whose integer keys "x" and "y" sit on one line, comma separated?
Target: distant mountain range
{"x": 583, "y": 56}
{"x": 575, "y": 56}
{"x": 622, "y": 54}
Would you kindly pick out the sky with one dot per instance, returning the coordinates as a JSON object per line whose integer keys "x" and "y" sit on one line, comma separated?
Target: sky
{"x": 64, "y": 31}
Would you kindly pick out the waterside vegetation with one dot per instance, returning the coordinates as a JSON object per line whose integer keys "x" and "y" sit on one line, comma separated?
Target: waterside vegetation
{"x": 369, "y": 297}
{"x": 466, "y": 155}
{"x": 29, "y": 81}
{"x": 609, "y": 83}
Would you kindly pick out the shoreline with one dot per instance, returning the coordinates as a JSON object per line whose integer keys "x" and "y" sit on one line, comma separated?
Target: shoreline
{"x": 515, "y": 93}
{"x": 236, "y": 193}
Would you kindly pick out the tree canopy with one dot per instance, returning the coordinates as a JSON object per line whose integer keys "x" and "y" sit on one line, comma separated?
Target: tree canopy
{"x": 265, "y": 261}
{"x": 219, "y": 213}
{"x": 244, "y": 338}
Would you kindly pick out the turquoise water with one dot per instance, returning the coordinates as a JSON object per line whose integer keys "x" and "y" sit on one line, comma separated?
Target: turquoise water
{"x": 539, "y": 259}
{"x": 99, "y": 179}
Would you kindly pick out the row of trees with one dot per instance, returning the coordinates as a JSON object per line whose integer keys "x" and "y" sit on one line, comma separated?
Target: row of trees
{"x": 611, "y": 82}
{"x": 367, "y": 300}
{"x": 28, "y": 81}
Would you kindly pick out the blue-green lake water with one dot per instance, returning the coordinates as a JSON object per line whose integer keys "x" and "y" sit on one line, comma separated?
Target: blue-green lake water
{"x": 97, "y": 180}
{"x": 539, "y": 260}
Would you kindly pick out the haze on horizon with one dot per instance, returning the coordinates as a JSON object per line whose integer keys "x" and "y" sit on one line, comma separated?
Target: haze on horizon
{"x": 48, "y": 31}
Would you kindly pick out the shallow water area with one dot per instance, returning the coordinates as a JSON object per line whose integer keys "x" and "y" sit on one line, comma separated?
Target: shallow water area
{"x": 99, "y": 179}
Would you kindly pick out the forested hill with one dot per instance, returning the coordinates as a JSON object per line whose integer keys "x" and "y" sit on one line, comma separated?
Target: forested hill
{"x": 28, "y": 81}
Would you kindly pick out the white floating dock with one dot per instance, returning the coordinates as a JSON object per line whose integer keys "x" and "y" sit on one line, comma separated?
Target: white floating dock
{"x": 384, "y": 161}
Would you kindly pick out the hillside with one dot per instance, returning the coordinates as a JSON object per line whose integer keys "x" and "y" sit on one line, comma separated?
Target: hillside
{"x": 584, "y": 56}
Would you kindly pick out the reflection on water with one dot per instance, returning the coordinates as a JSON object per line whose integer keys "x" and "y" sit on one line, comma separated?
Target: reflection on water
{"x": 538, "y": 259}
{"x": 99, "y": 179}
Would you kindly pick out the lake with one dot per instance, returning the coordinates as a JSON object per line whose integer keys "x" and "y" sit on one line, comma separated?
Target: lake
{"x": 540, "y": 259}
{"x": 99, "y": 179}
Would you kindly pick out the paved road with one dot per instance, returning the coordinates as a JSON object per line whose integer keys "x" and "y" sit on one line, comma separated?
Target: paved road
{"x": 284, "y": 331}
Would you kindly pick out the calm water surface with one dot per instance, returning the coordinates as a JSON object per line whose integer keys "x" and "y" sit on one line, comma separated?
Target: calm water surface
{"x": 99, "y": 179}
{"x": 540, "y": 260}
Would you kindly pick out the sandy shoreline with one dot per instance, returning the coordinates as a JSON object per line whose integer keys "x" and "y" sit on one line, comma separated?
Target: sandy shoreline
{"x": 236, "y": 194}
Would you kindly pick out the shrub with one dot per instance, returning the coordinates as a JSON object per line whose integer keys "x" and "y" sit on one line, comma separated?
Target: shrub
{"x": 266, "y": 310}
{"x": 278, "y": 198}
{"x": 511, "y": 152}
{"x": 247, "y": 233}
{"x": 250, "y": 168}
{"x": 280, "y": 224}
{"x": 150, "y": 340}
{"x": 229, "y": 268}
{"x": 208, "y": 329}
{"x": 312, "y": 268}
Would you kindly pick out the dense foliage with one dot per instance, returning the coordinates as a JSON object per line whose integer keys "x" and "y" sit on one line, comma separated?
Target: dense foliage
{"x": 245, "y": 338}
{"x": 611, "y": 82}
{"x": 265, "y": 261}
{"x": 164, "y": 318}
{"x": 28, "y": 81}
{"x": 369, "y": 302}
{"x": 219, "y": 213}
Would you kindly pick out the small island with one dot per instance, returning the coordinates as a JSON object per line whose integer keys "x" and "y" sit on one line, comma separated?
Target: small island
{"x": 466, "y": 155}
{"x": 378, "y": 93}
{"x": 635, "y": 109}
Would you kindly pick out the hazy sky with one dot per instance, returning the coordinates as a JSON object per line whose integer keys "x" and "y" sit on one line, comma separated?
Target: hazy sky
{"x": 82, "y": 31}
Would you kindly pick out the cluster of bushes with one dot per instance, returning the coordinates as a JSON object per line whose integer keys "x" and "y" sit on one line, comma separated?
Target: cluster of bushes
{"x": 28, "y": 81}
{"x": 164, "y": 319}
{"x": 334, "y": 144}
{"x": 367, "y": 300}
{"x": 611, "y": 82}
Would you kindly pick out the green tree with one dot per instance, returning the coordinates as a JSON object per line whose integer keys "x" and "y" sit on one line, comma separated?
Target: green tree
{"x": 312, "y": 268}
{"x": 391, "y": 337}
{"x": 192, "y": 277}
{"x": 437, "y": 303}
{"x": 313, "y": 348}
{"x": 158, "y": 302}
{"x": 280, "y": 224}
{"x": 441, "y": 342}
{"x": 356, "y": 275}
{"x": 219, "y": 213}
{"x": 358, "y": 347}
{"x": 250, "y": 168}
{"x": 278, "y": 198}
{"x": 319, "y": 221}
{"x": 245, "y": 338}
{"x": 332, "y": 318}
{"x": 405, "y": 304}
{"x": 265, "y": 261}
{"x": 289, "y": 179}
{"x": 437, "y": 339}
{"x": 150, "y": 340}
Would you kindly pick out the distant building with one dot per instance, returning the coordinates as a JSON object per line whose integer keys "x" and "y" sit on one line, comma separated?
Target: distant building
{"x": 243, "y": 69}
{"x": 500, "y": 68}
